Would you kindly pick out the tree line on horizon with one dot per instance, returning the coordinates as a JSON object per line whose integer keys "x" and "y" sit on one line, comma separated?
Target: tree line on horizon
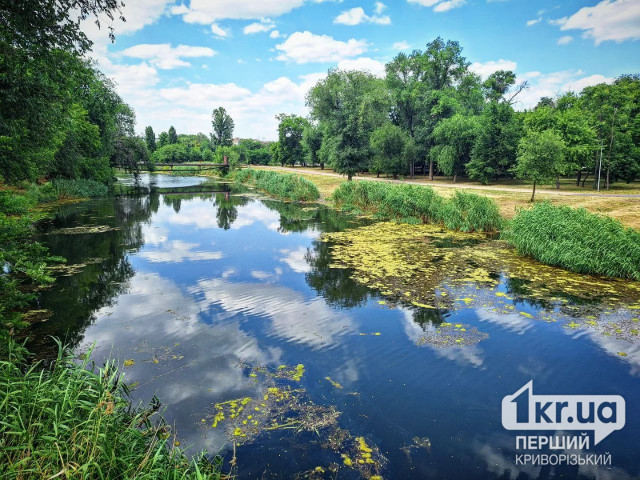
{"x": 431, "y": 114}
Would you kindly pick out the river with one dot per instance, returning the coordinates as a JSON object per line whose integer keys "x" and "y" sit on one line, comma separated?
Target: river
{"x": 231, "y": 309}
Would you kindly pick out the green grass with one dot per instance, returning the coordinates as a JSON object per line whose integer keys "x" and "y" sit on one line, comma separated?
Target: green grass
{"x": 576, "y": 240}
{"x": 69, "y": 421}
{"x": 464, "y": 211}
{"x": 286, "y": 186}
{"x": 78, "y": 188}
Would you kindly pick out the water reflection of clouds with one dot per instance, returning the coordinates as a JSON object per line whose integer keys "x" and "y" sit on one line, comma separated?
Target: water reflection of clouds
{"x": 296, "y": 259}
{"x": 614, "y": 346}
{"x": 205, "y": 370}
{"x": 178, "y": 251}
{"x": 463, "y": 355}
{"x": 511, "y": 321}
{"x": 293, "y": 317}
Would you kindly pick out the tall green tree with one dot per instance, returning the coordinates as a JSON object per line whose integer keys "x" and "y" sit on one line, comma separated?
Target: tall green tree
{"x": 290, "y": 131}
{"x": 540, "y": 157}
{"x": 495, "y": 149}
{"x": 389, "y": 143}
{"x": 172, "y": 136}
{"x": 312, "y": 142}
{"x": 223, "y": 126}
{"x": 454, "y": 138}
{"x": 150, "y": 139}
{"x": 350, "y": 105}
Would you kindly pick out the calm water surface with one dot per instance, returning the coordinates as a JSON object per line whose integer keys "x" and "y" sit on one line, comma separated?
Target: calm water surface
{"x": 209, "y": 292}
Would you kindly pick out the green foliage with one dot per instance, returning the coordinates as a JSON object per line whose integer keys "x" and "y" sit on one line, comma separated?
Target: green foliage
{"x": 70, "y": 417}
{"x": 78, "y": 188}
{"x": 389, "y": 144}
{"x": 290, "y": 130}
{"x": 540, "y": 157}
{"x": 312, "y": 142}
{"x": 171, "y": 153}
{"x": 129, "y": 152}
{"x": 454, "y": 138}
{"x": 231, "y": 154}
{"x": 163, "y": 139}
{"x": 576, "y": 240}
{"x": 494, "y": 151}
{"x": 498, "y": 84}
{"x": 223, "y": 126}
{"x": 150, "y": 139}
{"x": 350, "y": 105}
{"x": 172, "y": 136}
{"x": 281, "y": 185}
{"x": 411, "y": 203}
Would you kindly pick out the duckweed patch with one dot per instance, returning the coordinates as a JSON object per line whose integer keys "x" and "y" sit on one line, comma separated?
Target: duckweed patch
{"x": 404, "y": 264}
{"x": 419, "y": 444}
{"x": 447, "y": 335}
{"x": 83, "y": 230}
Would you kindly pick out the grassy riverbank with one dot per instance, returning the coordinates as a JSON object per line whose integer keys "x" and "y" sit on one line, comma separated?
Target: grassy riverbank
{"x": 71, "y": 421}
{"x": 507, "y": 195}
{"x": 285, "y": 186}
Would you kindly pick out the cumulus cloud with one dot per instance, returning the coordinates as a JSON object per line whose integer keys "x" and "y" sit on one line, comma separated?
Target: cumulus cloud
{"x": 401, "y": 45}
{"x": 555, "y": 83}
{"x": 363, "y": 63}
{"x": 166, "y": 57}
{"x": 218, "y": 31}
{"x": 565, "y": 40}
{"x": 439, "y": 5}
{"x": 531, "y": 23}
{"x": 263, "y": 25}
{"x": 305, "y": 47}
{"x": 206, "y": 11}
{"x": 484, "y": 69}
{"x": 616, "y": 20}
{"x": 357, "y": 15}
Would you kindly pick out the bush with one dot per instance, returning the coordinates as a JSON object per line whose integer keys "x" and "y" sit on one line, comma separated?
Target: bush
{"x": 411, "y": 203}
{"x": 576, "y": 240}
{"x": 80, "y": 188}
{"x": 67, "y": 418}
{"x": 172, "y": 153}
{"x": 286, "y": 186}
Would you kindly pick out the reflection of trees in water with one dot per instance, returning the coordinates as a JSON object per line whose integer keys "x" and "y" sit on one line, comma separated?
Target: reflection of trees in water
{"x": 426, "y": 316}
{"x": 74, "y": 299}
{"x": 227, "y": 211}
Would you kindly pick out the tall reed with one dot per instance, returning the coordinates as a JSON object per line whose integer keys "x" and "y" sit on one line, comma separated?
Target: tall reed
{"x": 286, "y": 186}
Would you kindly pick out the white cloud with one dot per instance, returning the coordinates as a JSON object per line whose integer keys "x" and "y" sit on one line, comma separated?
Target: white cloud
{"x": 218, "y": 31}
{"x": 484, "y": 69}
{"x": 296, "y": 259}
{"x": 166, "y": 57}
{"x": 439, "y": 5}
{"x": 356, "y": 16}
{"x": 207, "y": 11}
{"x": 565, "y": 40}
{"x": 401, "y": 45}
{"x": 531, "y": 23}
{"x": 616, "y": 20}
{"x": 448, "y": 5}
{"x": 179, "y": 251}
{"x": 263, "y": 25}
{"x": 276, "y": 34}
{"x": 305, "y": 47}
{"x": 380, "y": 7}
{"x": 363, "y": 63}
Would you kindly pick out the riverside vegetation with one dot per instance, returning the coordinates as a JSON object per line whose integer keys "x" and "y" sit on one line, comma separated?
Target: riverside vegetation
{"x": 285, "y": 186}
{"x": 71, "y": 420}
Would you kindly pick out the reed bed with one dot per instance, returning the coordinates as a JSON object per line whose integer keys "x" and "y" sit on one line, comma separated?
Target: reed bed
{"x": 576, "y": 240}
{"x": 70, "y": 421}
{"x": 286, "y": 186}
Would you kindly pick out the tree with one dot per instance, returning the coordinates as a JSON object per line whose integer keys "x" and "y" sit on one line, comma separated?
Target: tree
{"x": 312, "y": 142}
{"x": 150, "y": 139}
{"x": 171, "y": 153}
{"x": 290, "y": 130}
{"x": 276, "y": 154}
{"x": 350, "y": 105}
{"x": 172, "y": 136}
{"x": 129, "y": 152}
{"x": 389, "y": 143}
{"x": 540, "y": 157}
{"x": 498, "y": 84}
{"x": 495, "y": 149}
{"x": 223, "y": 127}
{"x": 454, "y": 138}
{"x": 163, "y": 139}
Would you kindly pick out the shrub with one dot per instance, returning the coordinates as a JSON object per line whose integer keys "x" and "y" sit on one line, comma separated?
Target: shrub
{"x": 576, "y": 240}
{"x": 287, "y": 186}
{"x": 411, "y": 203}
{"x": 79, "y": 188}
{"x": 67, "y": 418}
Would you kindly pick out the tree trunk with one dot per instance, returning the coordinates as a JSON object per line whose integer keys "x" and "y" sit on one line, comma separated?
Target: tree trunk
{"x": 579, "y": 176}
{"x": 558, "y": 182}
{"x": 378, "y": 175}
{"x": 607, "y": 181}
{"x": 412, "y": 168}
{"x": 322, "y": 166}
{"x": 455, "y": 177}
{"x": 613, "y": 121}
{"x": 349, "y": 176}
{"x": 534, "y": 191}
{"x": 430, "y": 169}
{"x": 585, "y": 179}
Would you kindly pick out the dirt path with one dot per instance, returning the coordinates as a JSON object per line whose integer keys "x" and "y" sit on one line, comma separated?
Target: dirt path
{"x": 462, "y": 186}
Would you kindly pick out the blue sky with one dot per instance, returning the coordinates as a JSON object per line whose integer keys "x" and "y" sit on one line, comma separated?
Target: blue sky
{"x": 174, "y": 62}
